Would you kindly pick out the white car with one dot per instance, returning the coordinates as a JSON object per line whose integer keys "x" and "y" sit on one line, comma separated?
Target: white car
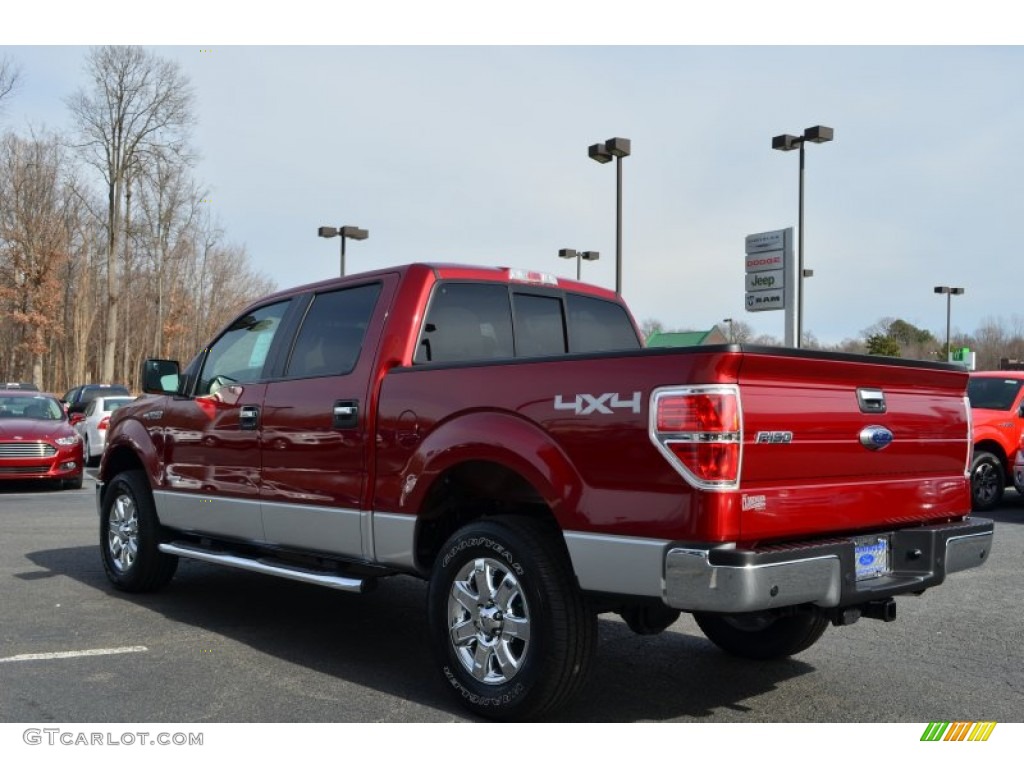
{"x": 93, "y": 425}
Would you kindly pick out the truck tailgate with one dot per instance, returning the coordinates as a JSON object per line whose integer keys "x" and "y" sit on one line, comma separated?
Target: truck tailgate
{"x": 861, "y": 443}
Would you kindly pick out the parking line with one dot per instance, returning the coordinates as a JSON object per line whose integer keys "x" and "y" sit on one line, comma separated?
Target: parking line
{"x": 75, "y": 654}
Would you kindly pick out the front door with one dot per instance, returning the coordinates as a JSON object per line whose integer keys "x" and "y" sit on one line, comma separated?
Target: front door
{"x": 211, "y": 439}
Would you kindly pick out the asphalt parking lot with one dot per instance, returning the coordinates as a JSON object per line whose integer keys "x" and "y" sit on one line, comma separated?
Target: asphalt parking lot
{"x": 226, "y": 646}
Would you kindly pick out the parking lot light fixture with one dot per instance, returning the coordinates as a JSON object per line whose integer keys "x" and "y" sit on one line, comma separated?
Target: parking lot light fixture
{"x": 580, "y": 256}
{"x": 617, "y": 148}
{"x": 816, "y": 134}
{"x": 950, "y": 293}
{"x": 346, "y": 232}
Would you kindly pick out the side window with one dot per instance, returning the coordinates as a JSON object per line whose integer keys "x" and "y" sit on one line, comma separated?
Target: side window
{"x": 237, "y": 357}
{"x": 540, "y": 329}
{"x": 466, "y": 322}
{"x": 91, "y": 408}
{"x": 596, "y": 325}
{"x": 332, "y": 332}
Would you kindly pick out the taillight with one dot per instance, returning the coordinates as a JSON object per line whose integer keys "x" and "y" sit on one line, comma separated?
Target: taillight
{"x": 104, "y": 423}
{"x": 698, "y": 430}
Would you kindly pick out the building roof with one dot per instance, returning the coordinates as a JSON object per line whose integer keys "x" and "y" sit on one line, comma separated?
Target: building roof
{"x": 686, "y": 338}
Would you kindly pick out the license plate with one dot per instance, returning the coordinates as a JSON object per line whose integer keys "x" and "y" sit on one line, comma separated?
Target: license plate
{"x": 871, "y": 555}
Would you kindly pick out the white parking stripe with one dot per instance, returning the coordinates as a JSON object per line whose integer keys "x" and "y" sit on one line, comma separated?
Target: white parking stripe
{"x": 75, "y": 654}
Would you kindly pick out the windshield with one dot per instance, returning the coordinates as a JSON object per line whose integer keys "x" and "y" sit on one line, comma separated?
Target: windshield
{"x": 993, "y": 393}
{"x": 39, "y": 408}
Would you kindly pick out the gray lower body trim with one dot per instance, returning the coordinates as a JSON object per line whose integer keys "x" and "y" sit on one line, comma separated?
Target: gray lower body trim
{"x": 621, "y": 565}
{"x": 393, "y": 540}
{"x": 214, "y": 515}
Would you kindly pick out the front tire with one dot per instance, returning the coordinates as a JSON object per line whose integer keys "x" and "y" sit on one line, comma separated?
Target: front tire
{"x": 512, "y": 632}
{"x": 987, "y": 481}
{"x": 763, "y": 635}
{"x": 129, "y": 536}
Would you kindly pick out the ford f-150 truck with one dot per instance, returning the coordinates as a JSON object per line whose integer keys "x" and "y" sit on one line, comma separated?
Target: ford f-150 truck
{"x": 505, "y": 436}
{"x": 997, "y": 413}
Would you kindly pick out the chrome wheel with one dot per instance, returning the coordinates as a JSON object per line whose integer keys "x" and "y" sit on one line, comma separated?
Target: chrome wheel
{"x": 123, "y": 533}
{"x": 488, "y": 621}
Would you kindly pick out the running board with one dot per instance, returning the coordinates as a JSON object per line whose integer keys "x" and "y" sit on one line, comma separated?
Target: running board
{"x": 295, "y": 573}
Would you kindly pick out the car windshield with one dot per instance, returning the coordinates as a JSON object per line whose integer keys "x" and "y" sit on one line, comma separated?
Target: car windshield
{"x": 39, "y": 408}
{"x": 993, "y": 393}
{"x": 113, "y": 403}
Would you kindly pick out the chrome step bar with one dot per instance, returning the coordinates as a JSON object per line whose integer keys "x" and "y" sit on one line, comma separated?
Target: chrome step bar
{"x": 294, "y": 573}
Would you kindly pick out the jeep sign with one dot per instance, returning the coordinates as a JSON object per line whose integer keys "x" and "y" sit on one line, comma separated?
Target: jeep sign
{"x": 765, "y": 281}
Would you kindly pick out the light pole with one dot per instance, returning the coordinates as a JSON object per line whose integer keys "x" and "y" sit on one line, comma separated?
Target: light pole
{"x": 345, "y": 233}
{"x": 603, "y": 153}
{"x": 817, "y": 134}
{"x": 569, "y": 253}
{"x": 950, "y": 293}
{"x": 729, "y": 321}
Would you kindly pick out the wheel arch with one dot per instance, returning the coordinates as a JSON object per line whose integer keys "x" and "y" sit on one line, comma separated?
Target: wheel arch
{"x": 486, "y": 464}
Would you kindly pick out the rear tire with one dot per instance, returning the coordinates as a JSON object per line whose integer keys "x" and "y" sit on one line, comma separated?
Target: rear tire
{"x": 129, "y": 536}
{"x": 90, "y": 460}
{"x": 987, "y": 481}
{"x": 512, "y": 633}
{"x": 763, "y": 635}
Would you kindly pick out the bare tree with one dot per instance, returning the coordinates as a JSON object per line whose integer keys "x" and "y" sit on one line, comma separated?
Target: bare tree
{"x": 9, "y": 77}
{"x": 138, "y": 107}
{"x": 33, "y": 250}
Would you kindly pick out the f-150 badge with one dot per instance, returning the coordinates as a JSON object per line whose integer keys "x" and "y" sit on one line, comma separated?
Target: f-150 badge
{"x": 583, "y": 405}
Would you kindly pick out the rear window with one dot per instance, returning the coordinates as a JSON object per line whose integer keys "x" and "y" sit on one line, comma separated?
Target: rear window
{"x": 91, "y": 393}
{"x": 469, "y": 322}
{"x": 993, "y": 393}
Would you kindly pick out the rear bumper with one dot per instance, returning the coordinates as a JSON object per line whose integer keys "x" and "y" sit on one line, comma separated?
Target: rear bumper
{"x": 822, "y": 573}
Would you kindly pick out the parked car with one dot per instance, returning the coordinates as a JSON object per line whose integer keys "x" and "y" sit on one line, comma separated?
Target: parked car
{"x": 78, "y": 398}
{"x": 93, "y": 425}
{"x": 36, "y": 440}
{"x": 997, "y": 413}
{"x": 25, "y": 386}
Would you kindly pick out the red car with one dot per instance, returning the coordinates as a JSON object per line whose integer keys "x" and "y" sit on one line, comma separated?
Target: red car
{"x": 36, "y": 440}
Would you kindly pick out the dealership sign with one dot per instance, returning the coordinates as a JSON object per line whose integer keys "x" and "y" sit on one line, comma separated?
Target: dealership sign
{"x": 770, "y": 276}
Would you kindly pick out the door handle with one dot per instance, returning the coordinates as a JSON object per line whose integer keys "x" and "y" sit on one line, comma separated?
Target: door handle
{"x": 346, "y": 414}
{"x": 249, "y": 417}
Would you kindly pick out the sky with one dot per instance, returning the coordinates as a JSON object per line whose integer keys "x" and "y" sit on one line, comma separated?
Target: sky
{"x": 452, "y": 151}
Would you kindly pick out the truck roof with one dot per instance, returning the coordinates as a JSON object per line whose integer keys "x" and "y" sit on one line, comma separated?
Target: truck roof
{"x": 446, "y": 271}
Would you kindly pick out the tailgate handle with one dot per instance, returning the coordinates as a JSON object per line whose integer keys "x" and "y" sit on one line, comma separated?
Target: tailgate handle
{"x": 871, "y": 400}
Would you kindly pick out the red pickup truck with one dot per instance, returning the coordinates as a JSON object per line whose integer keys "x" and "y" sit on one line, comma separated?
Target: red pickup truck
{"x": 997, "y": 411}
{"x": 503, "y": 435}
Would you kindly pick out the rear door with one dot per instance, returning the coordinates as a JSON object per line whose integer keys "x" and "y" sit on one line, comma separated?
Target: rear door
{"x": 317, "y": 418}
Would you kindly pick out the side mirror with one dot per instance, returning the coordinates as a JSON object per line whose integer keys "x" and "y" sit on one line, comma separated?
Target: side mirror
{"x": 74, "y": 418}
{"x": 160, "y": 377}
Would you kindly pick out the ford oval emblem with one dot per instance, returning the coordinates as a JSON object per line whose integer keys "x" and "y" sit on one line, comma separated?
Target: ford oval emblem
{"x": 875, "y": 438}
{"x": 867, "y": 559}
